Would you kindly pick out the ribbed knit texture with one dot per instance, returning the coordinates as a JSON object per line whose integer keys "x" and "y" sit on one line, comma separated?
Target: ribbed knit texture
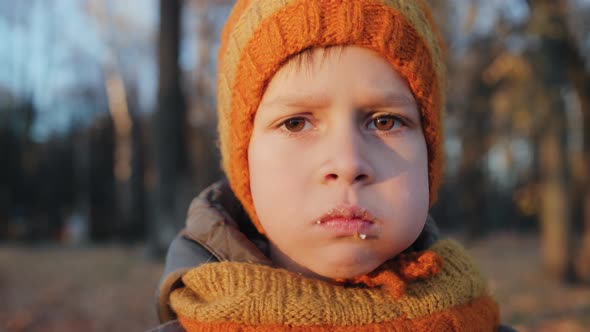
{"x": 395, "y": 274}
{"x": 260, "y": 35}
{"x": 233, "y": 296}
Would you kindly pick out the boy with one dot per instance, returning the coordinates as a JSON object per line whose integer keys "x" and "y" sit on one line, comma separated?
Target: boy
{"x": 329, "y": 123}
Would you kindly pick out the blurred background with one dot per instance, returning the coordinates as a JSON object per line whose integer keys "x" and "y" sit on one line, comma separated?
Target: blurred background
{"x": 108, "y": 129}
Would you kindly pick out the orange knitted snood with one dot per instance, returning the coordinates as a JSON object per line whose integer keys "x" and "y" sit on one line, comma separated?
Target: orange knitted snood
{"x": 395, "y": 274}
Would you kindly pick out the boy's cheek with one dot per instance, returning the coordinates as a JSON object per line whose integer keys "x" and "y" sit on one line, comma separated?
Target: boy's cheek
{"x": 270, "y": 156}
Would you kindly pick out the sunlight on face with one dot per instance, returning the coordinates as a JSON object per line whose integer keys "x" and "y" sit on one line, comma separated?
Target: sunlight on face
{"x": 338, "y": 164}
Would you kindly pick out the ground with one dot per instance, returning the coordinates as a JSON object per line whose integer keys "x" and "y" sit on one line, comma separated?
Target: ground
{"x": 112, "y": 288}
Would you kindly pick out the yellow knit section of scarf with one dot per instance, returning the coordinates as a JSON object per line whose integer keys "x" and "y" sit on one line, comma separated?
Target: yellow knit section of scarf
{"x": 259, "y": 295}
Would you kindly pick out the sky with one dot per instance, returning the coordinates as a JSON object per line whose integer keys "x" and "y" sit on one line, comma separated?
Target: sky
{"x": 56, "y": 51}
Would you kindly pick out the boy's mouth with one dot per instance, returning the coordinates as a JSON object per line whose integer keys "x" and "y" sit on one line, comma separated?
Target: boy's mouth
{"x": 348, "y": 220}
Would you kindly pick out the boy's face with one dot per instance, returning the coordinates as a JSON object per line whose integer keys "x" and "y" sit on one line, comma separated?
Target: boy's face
{"x": 338, "y": 164}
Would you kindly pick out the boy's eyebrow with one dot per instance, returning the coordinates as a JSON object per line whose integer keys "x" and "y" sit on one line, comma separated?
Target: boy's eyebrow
{"x": 300, "y": 101}
{"x": 389, "y": 98}
{"x": 314, "y": 100}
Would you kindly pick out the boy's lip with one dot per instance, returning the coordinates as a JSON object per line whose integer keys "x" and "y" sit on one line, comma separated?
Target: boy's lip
{"x": 348, "y": 220}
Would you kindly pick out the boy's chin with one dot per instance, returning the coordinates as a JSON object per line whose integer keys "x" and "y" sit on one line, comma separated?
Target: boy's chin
{"x": 346, "y": 270}
{"x": 337, "y": 262}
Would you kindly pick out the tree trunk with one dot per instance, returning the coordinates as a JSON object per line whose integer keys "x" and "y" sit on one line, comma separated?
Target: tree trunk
{"x": 204, "y": 157}
{"x": 581, "y": 79}
{"x": 169, "y": 127}
{"x": 475, "y": 137}
{"x": 548, "y": 24}
{"x": 583, "y": 256}
{"x": 555, "y": 209}
{"x": 472, "y": 177}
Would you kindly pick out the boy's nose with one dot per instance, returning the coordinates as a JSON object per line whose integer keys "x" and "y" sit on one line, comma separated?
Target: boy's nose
{"x": 346, "y": 161}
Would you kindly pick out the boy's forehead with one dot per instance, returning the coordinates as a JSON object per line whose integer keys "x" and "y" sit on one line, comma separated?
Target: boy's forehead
{"x": 306, "y": 65}
{"x": 310, "y": 74}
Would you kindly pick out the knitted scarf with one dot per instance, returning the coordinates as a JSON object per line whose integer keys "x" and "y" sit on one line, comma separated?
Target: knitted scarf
{"x": 231, "y": 296}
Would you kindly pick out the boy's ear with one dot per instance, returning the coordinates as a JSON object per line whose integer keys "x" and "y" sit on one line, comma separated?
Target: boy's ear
{"x": 429, "y": 235}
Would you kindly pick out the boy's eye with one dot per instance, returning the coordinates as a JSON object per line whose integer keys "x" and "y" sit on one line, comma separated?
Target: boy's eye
{"x": 384, "y": 122}
{"x": 295, "y": 124}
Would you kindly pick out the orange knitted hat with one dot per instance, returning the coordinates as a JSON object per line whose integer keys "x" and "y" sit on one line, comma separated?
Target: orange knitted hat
{"x": 260, "y": 35}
